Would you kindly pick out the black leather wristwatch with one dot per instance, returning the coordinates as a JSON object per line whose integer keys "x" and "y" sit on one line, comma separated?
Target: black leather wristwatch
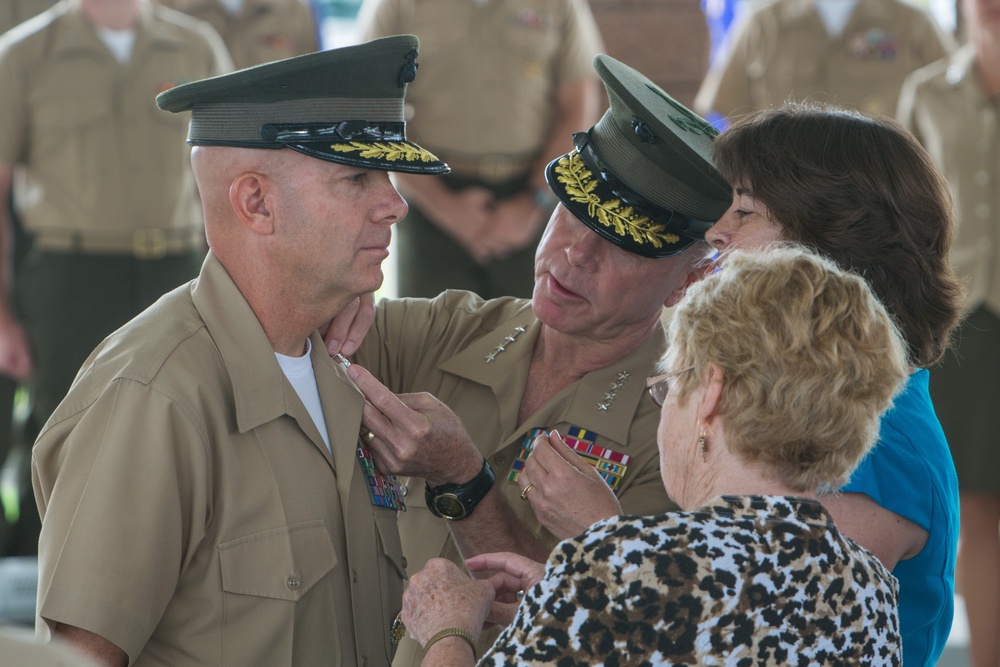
{"x": 456, "y": 501}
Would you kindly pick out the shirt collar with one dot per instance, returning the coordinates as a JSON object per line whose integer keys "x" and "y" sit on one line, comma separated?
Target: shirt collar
{"x": 76, "y": 34}
{"x": 257, "y": 380}
{"x": 618, "y": 387}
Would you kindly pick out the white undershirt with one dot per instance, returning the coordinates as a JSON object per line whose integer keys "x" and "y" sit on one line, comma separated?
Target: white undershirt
{"x": 835, "y": 14}
{"x": 232, "y": 6}
{"x": 299, "y": 371}
{"x": 119, "y": 42}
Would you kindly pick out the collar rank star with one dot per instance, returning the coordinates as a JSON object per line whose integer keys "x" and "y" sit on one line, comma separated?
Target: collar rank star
{"x": 504, "y": 343}
{"x": 613, "y": 390}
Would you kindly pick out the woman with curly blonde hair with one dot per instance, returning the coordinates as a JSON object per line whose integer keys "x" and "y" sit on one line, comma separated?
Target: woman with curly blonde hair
{"x": 779, "y": 368}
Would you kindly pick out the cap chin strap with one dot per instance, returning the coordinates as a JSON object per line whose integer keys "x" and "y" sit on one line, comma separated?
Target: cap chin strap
{"x": 345, "y": 130}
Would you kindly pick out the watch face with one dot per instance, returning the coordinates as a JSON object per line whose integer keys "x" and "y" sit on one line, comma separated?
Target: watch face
{"x": 449, "y": 506}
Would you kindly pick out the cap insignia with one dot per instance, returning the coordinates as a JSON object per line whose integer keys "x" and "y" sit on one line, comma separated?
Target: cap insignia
{"x": 580, "y": 185}
{"x": 391, "y": 151}
{"x": 686, "y": 121}
{"x": 642, "y": 131}
{"x": 408, "y": 72}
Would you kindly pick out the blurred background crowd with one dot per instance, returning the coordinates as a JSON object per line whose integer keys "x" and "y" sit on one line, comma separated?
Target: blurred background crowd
{"x": 499, "y": 95}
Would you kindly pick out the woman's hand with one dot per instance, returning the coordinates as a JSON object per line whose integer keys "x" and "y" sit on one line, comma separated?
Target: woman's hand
{"x": 513, "y": 574}
{"x": 567, "y": 493}
{"x": 442, "y": 596}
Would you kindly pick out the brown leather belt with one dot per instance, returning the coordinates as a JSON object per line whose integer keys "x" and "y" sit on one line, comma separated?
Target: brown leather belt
{"x": 153, "y": 243}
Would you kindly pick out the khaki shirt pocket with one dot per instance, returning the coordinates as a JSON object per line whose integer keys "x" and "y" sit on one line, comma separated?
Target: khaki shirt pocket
{"x": 266, "y": 576}
{"x": 282, "y": 564}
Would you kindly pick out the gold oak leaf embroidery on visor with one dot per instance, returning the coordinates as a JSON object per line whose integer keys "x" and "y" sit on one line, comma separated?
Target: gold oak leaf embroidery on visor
{"x": 580, "y": 184}
{"x": 391, "y": 151}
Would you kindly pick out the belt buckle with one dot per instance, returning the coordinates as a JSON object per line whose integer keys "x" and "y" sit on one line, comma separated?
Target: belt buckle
{"x": 495, "y": 168}
{"x": 149, "y": 244}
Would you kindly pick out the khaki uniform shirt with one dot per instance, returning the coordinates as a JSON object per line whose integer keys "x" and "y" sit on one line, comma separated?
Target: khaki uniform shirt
{"x": 441, "y": 346}
{"x": 192, "y": 513}
{"x": 263, "y": 30}
{"x": 15, "y": 12}
{"x": 100, "y": 159}
{"x": 945, "y": 106}
{"x": 783, "y": 51}
{"x": 488, "y": 70}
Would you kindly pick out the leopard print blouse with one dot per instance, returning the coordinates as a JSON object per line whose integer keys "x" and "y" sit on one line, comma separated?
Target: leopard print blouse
{"x": 743, "y": 580}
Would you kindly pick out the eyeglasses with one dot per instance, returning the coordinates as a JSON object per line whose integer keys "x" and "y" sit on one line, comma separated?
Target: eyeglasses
{"x": 659, "y": 385}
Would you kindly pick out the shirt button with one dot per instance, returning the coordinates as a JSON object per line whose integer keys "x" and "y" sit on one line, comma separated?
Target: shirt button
{"x": 499, "y": 459}
{"x": 404, "y": 562}
{"x": 294, "y": 583}
{"x": 983, "y": 210}
{"x": 403, "y": 490}
{"x": 982, "y": 177}
{"x": 354, "y": 576}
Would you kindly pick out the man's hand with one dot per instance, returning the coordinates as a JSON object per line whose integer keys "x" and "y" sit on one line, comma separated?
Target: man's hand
{"x": 15, "y": 353}
{"x": 442, "y": 596}
{"x": 567, "y": 493}
{"x": 513, "y": 574}
{"x": 415, "y": 434}
{"x": 348, "y": 327}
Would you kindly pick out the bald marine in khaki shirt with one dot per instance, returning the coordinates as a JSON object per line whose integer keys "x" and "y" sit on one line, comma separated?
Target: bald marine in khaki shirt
{"x": 204, "y": 499}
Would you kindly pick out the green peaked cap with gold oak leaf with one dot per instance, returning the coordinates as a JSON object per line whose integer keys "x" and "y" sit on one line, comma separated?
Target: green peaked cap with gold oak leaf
{"x": 342, "y": 105}
{"x": 642, "y": 177}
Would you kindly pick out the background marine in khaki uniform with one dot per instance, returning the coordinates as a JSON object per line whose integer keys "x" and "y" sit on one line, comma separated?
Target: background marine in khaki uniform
{"x": 953, "y": 106}
{"x": 782, "y": 51}
{"x": 260, "y": 31}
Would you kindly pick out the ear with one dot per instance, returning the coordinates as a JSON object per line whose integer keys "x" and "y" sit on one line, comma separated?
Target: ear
{"x": 699, "y": 271}
{"x": 708, "y": 405}
{"x": 252, "y": 202}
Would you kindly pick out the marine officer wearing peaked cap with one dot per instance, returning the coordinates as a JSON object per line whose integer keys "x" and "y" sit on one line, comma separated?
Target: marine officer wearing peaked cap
{"x": 636, "y": 199}
{"x": 203, "y": 494}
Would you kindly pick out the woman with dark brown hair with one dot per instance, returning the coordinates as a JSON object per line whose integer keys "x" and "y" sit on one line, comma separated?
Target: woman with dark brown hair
{"x": 862, "y": 192}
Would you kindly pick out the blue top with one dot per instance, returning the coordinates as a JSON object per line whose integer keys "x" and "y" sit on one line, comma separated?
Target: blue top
{"x": 910, "y": 472}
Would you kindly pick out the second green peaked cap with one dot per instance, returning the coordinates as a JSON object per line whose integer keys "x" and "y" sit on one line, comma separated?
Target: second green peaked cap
{"x": 342, "y": 105}
{"x": 643, "y": 177}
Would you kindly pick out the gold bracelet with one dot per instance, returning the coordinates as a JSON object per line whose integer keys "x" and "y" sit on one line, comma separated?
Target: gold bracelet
{"x": 452, "y": 632}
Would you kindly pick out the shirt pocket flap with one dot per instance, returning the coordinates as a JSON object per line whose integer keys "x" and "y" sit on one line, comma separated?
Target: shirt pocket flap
{"x": 282, "y": 563}
{"x": 392, "y": 548}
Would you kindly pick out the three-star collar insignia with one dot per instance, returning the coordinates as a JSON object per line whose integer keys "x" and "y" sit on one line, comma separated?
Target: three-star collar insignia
{"x": 491, "y": 357}
{"x": 612, "y": 393}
